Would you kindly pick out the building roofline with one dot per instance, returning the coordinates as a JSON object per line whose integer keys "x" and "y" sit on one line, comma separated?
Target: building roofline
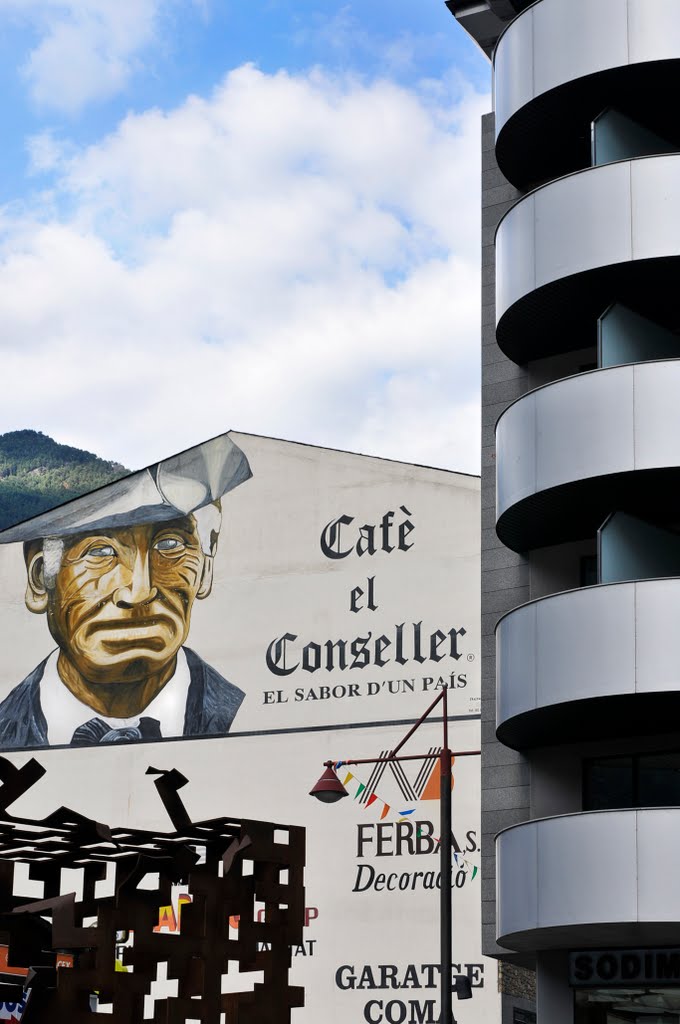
{"x": 265, "y": 437}
{"x": 486, "y": 20}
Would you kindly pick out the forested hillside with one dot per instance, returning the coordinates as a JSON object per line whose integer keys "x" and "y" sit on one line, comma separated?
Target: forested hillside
{"x": 36, "y": 473}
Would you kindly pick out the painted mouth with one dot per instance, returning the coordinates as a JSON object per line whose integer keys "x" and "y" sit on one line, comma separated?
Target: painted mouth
{"x": 134, "y": 640}
{"x": 151, "y": 633}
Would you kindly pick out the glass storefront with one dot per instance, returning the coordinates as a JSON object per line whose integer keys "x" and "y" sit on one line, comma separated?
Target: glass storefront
{"x": 627, "y": 1006}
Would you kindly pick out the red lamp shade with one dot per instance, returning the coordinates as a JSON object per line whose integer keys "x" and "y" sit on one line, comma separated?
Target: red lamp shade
{"x": 329, "y": 788}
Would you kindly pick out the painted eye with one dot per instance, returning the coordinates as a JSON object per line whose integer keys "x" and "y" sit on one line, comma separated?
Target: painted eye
{"x": 101, "y": 551}
{"x": 168, "y": 544}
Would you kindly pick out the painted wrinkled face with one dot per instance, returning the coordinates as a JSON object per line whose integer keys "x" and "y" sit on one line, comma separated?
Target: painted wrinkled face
{"x": 121, "y": 604}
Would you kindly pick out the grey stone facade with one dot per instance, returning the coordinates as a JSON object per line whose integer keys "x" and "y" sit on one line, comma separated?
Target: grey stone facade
{"x": 505, "y": 575}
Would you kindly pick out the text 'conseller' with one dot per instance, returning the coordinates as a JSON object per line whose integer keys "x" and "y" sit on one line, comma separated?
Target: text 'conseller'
{"x": 398, "y": 644}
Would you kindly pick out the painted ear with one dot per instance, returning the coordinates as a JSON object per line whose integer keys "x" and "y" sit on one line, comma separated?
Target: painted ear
{"x": 36, "y": 591}
{"x": 205, "y": 585}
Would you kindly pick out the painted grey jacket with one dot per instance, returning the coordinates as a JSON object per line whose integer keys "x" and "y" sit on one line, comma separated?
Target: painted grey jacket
{"x": 212, "y": 703}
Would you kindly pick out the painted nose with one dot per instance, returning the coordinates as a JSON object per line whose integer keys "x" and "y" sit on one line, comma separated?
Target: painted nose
{"x": 139, "y": 589}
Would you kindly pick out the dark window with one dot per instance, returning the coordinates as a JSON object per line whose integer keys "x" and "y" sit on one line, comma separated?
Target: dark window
{"x": 607, "y": 783}
{"x": 658, "y": 780}
{"x": 619, "y": 1006}
{"x": 640, "y": 780}
{"x": 588, "y": 571}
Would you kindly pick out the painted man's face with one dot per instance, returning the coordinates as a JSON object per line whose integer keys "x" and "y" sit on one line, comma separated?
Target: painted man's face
{"x": 120, "y": 604}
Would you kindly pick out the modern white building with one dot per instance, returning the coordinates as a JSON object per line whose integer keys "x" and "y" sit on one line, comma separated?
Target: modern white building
{"x": 581, "y": 505}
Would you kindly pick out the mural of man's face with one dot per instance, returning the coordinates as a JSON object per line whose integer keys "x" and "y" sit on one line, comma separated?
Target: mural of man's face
{"x": 119, "y": 603}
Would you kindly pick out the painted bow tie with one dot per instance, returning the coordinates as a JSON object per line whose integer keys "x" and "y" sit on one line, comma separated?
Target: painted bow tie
{"x": 99, "y": 731}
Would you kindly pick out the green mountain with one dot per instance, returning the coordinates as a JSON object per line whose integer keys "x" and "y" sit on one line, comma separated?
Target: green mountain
{"x": 36, "y": 473}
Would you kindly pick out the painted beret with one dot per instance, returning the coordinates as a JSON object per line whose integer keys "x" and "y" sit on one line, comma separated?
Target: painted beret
{"x": 175, "y": 487}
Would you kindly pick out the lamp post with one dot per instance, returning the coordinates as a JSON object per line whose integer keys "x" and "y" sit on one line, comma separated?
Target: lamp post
{"x": 329, "y": 789}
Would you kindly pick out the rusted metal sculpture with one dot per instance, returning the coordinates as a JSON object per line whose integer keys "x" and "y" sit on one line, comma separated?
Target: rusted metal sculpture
{"x": 249, "y": 872}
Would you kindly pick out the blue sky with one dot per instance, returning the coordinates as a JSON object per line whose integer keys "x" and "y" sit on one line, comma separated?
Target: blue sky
{"x": 280, "y": 195}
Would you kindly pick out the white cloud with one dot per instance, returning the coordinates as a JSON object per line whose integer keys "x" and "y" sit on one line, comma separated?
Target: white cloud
{"x": 295, "y": 256}
{"x": 86, "y": 49}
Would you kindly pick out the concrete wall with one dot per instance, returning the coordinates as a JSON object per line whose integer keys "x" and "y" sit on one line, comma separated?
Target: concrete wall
{"x": 555, "y": 1002}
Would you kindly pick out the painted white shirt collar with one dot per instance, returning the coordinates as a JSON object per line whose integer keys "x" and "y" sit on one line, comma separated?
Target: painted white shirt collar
{"x": 64, "y": 712}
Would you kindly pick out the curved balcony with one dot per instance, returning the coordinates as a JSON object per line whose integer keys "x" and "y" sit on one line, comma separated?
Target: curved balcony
{"x": 558, "y": 65}
{"x": 591, "y": 663}
{"x": 557, "y": 888}
{"x": 568, "y": 249}
{"x": 569, "y": 453}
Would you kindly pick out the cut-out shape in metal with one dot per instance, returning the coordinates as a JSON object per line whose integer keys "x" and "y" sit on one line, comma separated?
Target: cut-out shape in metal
{"x": 246, "y": 909}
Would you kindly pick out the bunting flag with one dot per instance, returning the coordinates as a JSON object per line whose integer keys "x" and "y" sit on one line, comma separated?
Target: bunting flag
{"x": 459, "y": 859}
{"x": 371, "y": 797}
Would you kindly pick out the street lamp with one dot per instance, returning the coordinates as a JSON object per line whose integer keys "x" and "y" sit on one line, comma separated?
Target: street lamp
{"x": 329, "y": 789}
